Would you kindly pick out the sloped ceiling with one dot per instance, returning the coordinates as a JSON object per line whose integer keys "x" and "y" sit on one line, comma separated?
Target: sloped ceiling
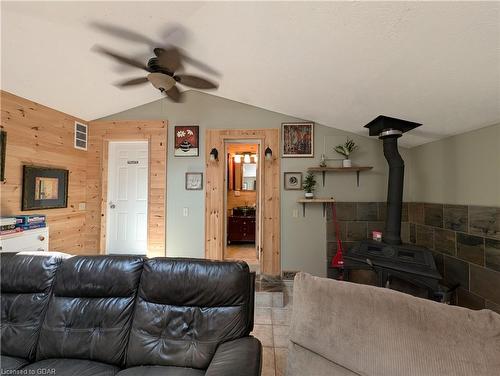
{"x": 336, "y": 63}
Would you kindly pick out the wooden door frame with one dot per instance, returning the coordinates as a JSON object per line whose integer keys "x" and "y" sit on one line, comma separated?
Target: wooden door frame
{"x": 270, "y": 247}
{"x": 100, "y": 134}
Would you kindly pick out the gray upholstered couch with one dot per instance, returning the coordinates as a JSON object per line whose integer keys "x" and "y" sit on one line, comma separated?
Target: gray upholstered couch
{"x": 341, "y": 328}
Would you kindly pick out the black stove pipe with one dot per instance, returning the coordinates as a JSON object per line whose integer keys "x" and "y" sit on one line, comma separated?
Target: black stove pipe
{"x": 392, "y": 233}
{"x": 389, "y": 129}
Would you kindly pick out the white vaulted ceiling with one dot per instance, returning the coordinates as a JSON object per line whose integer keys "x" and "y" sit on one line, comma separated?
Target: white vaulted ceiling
{"x": 336, "y": 63}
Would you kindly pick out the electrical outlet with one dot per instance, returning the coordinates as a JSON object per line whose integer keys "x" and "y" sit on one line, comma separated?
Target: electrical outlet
{"x": 185, "y": 212}
{"x": 295, "y": 213}
{"x": 81, "y": 206}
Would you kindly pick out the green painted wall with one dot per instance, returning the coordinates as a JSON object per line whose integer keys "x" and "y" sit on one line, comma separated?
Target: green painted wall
{"x": 463, "y": 169}
{"x": 303, "y": 238}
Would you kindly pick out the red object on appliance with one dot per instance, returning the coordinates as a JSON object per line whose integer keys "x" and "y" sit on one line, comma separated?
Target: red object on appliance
{"x": 338, "y": 259}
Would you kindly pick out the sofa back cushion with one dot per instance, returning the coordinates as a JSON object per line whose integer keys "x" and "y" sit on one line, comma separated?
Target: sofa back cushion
{"x": 90, "y": 312}
{"x": 369, "y": 330}
{"x": 26, "y": 282}
{"x": 186, "y": 308}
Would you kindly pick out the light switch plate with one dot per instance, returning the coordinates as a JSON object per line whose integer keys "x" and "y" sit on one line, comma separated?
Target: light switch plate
{"x": 185, "y": 212}
{"x": 295, "y": 213}
{"x": 81, "y": 206}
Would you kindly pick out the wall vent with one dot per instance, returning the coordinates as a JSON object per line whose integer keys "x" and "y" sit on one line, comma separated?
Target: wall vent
{"x": 81, "y": 136}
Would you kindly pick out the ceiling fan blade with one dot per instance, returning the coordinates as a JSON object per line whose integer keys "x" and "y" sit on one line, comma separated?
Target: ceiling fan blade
{"x": 169, "y": 58}
{"x": 120, "y": 58}
{"x": 123, "y": 33}
{"x": 196, "y": 82}
{"x": 174, "y": 94}
{"x": 202, "y": 66}
{"x": 133, "y": 82}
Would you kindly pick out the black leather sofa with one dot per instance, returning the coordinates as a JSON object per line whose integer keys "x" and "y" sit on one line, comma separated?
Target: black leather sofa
{"x": 126, "y": 316}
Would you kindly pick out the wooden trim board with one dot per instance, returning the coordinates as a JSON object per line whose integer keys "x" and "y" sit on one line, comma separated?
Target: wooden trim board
{"x": 270, "y": 253}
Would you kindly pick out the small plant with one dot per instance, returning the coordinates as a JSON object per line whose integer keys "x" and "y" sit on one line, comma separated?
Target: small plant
{"x": 347, "y": 148}
{"x": 309, "y": 184}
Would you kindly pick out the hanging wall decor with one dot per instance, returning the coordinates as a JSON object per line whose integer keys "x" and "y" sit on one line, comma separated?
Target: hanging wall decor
{"x": 297, "y": 140}
{"x": 187, "y": 141}
{"x": 44, "y": 188}
{"x": 194, "y": 181}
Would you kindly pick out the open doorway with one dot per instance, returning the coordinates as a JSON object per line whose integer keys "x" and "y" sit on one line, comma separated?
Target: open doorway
{"x": 242, "y": 198}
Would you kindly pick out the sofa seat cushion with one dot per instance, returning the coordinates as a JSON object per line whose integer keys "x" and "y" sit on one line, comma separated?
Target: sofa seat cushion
{"x": 71, "y": 367}
{"x": 161, "y": 371}
{"x": 8, "y": 363}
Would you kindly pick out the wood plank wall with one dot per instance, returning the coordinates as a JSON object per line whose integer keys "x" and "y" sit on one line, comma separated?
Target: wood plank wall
{"x": 246, "y": 198}
{"x": 41, "y": 136}
{"x": 100, "y": 133}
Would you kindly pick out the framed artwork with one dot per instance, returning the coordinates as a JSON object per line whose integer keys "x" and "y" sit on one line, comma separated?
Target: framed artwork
{"x": 297, "y": 140}
{"x": 194, "y": 181}
{"x": 3, "y": 144}
{"x": 44, "y": 188}
{"x": 293, "y": 181}
{"x": 187, "y": 141}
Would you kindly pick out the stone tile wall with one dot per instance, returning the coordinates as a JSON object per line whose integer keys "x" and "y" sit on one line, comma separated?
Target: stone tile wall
{"x": 465, "y": 241}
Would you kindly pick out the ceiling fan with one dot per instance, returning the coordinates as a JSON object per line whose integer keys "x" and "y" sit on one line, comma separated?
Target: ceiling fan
{"x": 161, "y": 68}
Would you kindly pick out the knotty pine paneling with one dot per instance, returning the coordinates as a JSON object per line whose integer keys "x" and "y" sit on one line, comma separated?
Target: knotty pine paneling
{"x": 41, "y": 136}
{"x": 100, "y": 134}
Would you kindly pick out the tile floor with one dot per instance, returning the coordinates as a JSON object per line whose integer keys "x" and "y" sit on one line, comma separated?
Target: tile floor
{"x": 273, "y": 311}
{"x": 241, "y": 251}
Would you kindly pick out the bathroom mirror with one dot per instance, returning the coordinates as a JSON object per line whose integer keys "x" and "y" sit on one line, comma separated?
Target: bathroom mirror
{"x": 249, "y": 177}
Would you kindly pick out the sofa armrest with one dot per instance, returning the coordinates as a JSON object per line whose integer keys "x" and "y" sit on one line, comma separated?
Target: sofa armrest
{"x": 242, "y": 357}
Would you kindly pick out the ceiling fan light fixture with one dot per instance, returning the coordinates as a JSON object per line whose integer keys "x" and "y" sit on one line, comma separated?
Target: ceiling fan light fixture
{"x": 161, "y": 81}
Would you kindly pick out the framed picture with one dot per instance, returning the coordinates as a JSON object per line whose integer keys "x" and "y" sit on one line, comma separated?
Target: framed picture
{"x": 293, "y": 181}
{"x": 194, "y": 181}
{"x": 3, "y": 144}
{"x": 44, "y": 188}
{"x": 297, "y": 140}
{"x": 187, "y": 141}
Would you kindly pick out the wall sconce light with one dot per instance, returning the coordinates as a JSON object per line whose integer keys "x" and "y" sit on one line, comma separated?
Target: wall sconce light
{"x": 268, "y": 153}
{"x": 237, "y": 158}
{"x": 214, "y": 155}
{"x": 246, "y": 158}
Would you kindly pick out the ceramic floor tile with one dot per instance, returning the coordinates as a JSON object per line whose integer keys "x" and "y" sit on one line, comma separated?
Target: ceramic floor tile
{"x": 280, "y": 359}
{"x": 264, "y": 333}
{"x": 281, "y": 316}
{"x": 262, "y": 316}
{"x": 268, "y": 362}
{"x": 263, "y": 299}
{"x": 278, "y": 299}
{"x": 281, "y": 334}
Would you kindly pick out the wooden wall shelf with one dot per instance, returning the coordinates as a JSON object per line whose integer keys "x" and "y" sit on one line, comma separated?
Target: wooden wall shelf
{"x": 324, "y": 170}
{"x": 317, "y": 200}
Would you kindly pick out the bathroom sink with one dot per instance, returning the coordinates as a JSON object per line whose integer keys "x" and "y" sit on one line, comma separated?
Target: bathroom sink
{"x": 244, "y": 211}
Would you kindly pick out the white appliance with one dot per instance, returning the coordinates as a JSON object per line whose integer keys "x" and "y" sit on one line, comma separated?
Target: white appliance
{"x": 29, "y": 240}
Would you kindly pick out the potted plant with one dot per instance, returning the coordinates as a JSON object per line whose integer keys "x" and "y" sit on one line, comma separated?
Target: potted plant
{"x": 346, "y": 149}
{"x": 309, "y": 185}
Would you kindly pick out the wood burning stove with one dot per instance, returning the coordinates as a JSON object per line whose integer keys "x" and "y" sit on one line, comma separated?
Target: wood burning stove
{"x": 391, "y": 260}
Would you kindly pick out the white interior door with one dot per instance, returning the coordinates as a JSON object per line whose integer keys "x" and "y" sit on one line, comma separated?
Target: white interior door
{"x": 127, "y": 212}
